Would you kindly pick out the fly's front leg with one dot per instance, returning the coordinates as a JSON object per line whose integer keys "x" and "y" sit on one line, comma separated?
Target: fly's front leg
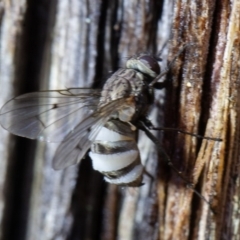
{"x": 160, "y": 85}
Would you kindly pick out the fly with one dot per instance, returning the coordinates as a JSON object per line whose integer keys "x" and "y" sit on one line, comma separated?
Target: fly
{"x": 104, "y": 120}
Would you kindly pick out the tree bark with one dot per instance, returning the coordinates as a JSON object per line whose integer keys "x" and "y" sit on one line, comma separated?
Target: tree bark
{"x": 62, "y": 44}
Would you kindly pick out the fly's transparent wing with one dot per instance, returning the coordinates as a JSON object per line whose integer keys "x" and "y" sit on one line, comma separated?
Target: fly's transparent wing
{"x": 48, "y": 115}
{"x": 77, "y": 142}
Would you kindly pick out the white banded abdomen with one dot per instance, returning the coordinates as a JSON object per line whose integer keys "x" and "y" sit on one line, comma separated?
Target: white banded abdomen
{"x": 115, "y": 154}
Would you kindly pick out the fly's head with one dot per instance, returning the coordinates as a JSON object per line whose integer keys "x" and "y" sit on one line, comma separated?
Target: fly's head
{"x": 144, "y": 63}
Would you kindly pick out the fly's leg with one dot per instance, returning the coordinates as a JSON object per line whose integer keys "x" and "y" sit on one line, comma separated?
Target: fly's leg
{"x": 151, "y": 177}
{"x": 160, "y": 85}
{"x": 188, "y": 133}
{"x": 148, "y": 174}
{"x": 161, "y": 51}
{"x": 149, "y": 125}
{"x": 167, "y": 159}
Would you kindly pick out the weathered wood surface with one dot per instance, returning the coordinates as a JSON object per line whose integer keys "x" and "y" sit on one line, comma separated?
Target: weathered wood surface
{"x": 59, "y": 44}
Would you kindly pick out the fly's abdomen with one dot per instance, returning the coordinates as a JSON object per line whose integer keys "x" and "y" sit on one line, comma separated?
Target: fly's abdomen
{"x": 115, "y": 154}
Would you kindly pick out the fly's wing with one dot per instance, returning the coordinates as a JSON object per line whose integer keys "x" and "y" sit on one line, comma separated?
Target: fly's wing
{"x": 48, "y": 115}
{"x": 77, "y": 142}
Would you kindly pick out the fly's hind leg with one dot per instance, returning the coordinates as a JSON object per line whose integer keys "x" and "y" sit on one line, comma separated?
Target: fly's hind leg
{"x": 150, "y": 126}
{"x": 151, "y": 177}
{"x": 167, "y": 159}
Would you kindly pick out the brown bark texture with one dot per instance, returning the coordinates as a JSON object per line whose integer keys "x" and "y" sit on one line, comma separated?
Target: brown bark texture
{"x": 61, "y": 44}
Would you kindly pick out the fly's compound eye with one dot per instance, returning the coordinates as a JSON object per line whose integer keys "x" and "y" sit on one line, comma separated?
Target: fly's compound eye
{"x": 145, "y": 64}
{"x": 151, "y": 63}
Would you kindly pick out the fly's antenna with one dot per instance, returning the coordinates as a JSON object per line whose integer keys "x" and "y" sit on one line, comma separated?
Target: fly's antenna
{"x": 169, "y": 66}
{"x": 167, "y": 159}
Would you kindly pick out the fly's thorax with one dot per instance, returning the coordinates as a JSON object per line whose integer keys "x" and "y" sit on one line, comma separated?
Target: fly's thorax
{"x": 122, "y": 84}
{"x": 126, "y": 83}
{"x": 115, "y": 154}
